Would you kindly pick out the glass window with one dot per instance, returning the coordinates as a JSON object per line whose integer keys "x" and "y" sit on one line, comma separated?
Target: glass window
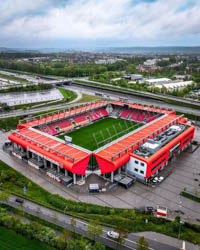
{"x": 141, "y": 172}
{"x": 136, "y": 162}
{"x": 136, "y": 170}
{"x": 142, "y": 164}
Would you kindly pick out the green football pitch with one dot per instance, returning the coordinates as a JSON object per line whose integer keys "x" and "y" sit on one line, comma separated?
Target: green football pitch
{"x": 84, "y": 136}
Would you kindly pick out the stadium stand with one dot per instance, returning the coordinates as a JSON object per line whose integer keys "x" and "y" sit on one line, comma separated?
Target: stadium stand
{"x": 70, "y": 160}
{"x": 97, "y": 114}
{"x": 65, "y": 125}
{"x": 137, "y": 115}
{"x": 77, "y": 120}
{"x": 81, "y": 119}
{"x": 125, "y": 113}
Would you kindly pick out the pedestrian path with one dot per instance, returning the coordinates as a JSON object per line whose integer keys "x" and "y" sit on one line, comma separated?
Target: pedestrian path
{"x": 167, "y": 240}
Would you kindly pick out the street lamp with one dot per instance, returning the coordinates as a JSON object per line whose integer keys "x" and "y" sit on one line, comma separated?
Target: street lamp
{"x": 179, "y": 231}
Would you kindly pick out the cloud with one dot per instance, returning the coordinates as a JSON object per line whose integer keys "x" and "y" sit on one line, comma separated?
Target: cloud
{"x": 133, "y": 22}
{"x": 10, "y": 9}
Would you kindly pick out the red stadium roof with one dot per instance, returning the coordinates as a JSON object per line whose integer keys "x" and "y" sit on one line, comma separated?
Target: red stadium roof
{"x": 144, "y": 107}
{"x": 116, "y": 154}
{"x": 76, "y": 159}
{"x": 59, "y": 115}
{"x": 68, "y": 156}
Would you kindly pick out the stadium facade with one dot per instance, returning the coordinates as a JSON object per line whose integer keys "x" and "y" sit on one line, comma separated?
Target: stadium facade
{"x": 141, "y": 153}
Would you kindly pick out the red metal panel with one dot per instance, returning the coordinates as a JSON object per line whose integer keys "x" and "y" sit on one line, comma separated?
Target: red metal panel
{"x": 67, "y": 164}
{"x": 190, "y": 132}
{"x": 20, "y": 126}
{"x": 110, "y": 166}
{"x": 81, "y": 166}
{"x": 161, "y": 214}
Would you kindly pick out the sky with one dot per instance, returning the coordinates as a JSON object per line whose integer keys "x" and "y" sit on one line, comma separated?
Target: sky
{"x": 99, "y": 23}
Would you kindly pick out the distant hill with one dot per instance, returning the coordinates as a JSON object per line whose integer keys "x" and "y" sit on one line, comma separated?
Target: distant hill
{"x": 11, "y": 50}
{"x": 129, "y": 50}
{"x": 153, "y": 50}
{"x": 3, "y": 49}
{"x": 42, "y": 50}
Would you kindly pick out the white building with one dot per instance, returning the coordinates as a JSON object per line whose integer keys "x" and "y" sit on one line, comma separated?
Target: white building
{"x": 135, "y": 77}
{"x": 182, "y": 77}
{"x": 150, "y": 62}
{"x": 157, "y": 81}
{"x": 108, "y": 61}
{"x": 174, "y": 85}
{"x": 116, "y": 79}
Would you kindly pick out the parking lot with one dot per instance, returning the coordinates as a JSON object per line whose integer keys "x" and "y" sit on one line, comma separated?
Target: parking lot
{"x": 185, "y": 174}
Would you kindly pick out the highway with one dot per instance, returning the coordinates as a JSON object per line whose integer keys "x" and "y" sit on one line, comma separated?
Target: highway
{"x": 133, "y": 99}
{"x": 170, "y": 97}
{"x": 81, "y": 227}
{"x": 55, "y": 80}
{"x": 106, "y": 94}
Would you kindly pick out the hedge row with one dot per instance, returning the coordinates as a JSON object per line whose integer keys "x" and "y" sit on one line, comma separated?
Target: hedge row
{"x": 190, "y": 196}
{"x": 34, "y": 230}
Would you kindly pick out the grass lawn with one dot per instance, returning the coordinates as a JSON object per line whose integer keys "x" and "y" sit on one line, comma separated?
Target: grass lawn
{"x": 68, "y": 94}
{"x": 9, "y": 123}
{"x": 13, "y": 241}
{"x": 89, "y": 98}
{"x": 84, "y": 136}
{"x": 7, "y": 77}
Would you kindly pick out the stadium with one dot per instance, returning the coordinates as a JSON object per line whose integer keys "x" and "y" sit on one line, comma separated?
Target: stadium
{"x": 116, "y": 140}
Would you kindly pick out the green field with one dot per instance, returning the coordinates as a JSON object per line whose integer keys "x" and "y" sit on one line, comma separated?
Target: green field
{"x": 13, "y": 241}
{"x": 84, "y": 136}
{"x": 19, "y": 79}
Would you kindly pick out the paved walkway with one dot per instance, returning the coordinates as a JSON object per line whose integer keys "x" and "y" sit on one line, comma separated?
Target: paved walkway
{"x": 173, "y": 242}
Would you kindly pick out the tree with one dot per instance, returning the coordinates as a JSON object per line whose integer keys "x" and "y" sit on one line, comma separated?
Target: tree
{"x": 123, "y": 234}
{"x": 73, "y": 223}
{"x": 81, "y": 244}
{"x": 54, "y": 217}
{"x": 29, "y": 186}
{"x": 4, "y": 196}
{"x": 72, "y": 245}
{"x": 38, "y": 211}
{"x": 98, "y": 246}
{"x": 95, "y": 229}
{"x": 142, "y": 244}
{"x": 176, "y": 224}
{"x": 63, "y": 239}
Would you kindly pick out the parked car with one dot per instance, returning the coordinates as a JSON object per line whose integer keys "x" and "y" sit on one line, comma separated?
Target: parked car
{"x": 155, "y": 179}
{"x": 160, "y": 179}
{"x": 113, "y": 234}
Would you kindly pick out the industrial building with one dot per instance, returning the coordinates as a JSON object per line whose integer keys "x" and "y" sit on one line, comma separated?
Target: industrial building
{"x": 158, "y": 81}
{"x": 175, "y": 85}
